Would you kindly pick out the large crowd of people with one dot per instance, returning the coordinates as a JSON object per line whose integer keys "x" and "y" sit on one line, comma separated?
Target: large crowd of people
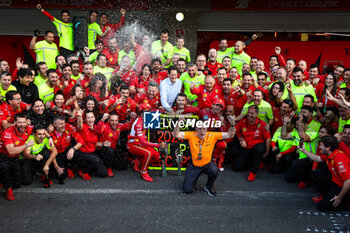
{"x": 82, "y": 115}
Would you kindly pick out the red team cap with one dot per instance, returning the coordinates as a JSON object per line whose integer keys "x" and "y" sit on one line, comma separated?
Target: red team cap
{"x": 219, "y": 101}
{"x": 145, "y": 107}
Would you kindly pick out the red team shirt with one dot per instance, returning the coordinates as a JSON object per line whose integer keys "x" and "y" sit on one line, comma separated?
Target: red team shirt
{"x": 64, "y": 140}
{"x": 205, "y": 98}
{"x": 108, "y": 134}
{"x": 252, "y": 134}
{"x": 90, "y": 137}
{"x": 12, "y": 136}
{"x": 339, "y": 165}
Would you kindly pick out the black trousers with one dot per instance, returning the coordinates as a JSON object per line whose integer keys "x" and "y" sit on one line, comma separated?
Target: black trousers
{"x": 323, "y": 178}
{"x": 300, "y": 171}
{"x": 283, "y": 164}
{"x": 250, "y": 158}
{"x": 112, "y": 158}
{"x": 66, "y": 52}
{"x": 326, "y": 204}
{"x": 91, "y": 162}
{"x": 193, "y": 172}
{"x": 63, "y": 162}
{"x": 10, "y": 171}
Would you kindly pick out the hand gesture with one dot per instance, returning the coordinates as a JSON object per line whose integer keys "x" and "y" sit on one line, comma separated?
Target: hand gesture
{"x": 287, "y": 118}
{"x": 289, "y": 87}
{"x": 39, "y": 7}
{"x": 107, "y": 29}
{"x": 107, "y": 144}
{"x": 46, "y": 169}
{"x": 87, "y": 51}
{"x": 80, "y": 112}
{"x": 307, "y": 82}
{"x": 70, "y": 154}
{"x": 19, "y": 63}
{"x": 122, "y": 11}
{"x": 336, "y": 200}
{"x": 254, "y": 36}
{"x": 39, "y": 157}
{"x": 162, "y": 145}
{"x": 278, "y": 50}
{"x": 275, "y": 148}
{"x": 59, "y": 170}
{"x": 243, "y": 143}
{"x": 36, "y": 32}
{"x": 231, "y": 119}
{"x": 193, "y": 85}
{"x": 105, "y": 116}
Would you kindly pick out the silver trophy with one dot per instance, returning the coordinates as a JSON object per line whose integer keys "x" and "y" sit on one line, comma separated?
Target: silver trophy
{"x": 164, "y": 154}
{"x": 179, "y": 155}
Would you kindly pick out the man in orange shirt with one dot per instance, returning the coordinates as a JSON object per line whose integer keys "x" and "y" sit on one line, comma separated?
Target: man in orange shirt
{"x": 202, "y": 144}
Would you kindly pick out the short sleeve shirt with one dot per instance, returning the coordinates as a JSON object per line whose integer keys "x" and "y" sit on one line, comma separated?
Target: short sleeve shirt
{"x": 207, "y": 146}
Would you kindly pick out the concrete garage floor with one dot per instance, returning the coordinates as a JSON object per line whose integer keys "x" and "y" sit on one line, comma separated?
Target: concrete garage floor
{"x": 126, "y": 203}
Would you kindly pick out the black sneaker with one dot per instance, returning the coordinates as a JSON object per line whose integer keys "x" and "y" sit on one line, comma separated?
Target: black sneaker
{"x": 211, "y": 192}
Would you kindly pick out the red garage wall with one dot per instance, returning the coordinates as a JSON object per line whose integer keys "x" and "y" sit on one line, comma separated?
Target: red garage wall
{"x": 12, "y": 48}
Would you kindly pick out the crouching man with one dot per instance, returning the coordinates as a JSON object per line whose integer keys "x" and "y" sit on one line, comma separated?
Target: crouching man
{"x": 202, "y": 144}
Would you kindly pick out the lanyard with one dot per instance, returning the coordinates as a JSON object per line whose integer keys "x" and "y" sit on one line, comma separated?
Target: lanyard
{"x": 200, "y": 150}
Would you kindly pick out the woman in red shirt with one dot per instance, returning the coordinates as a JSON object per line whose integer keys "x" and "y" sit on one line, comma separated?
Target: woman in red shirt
{"x": 98, "y": 87}
{"x": 330, "y": 84}
{"x": 88, "y": 158}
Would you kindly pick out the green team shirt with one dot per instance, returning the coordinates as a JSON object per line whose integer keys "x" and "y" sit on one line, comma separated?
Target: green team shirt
{"x": 131, "y": 55}
{"x": 227, "y": 53}
{"x": 46, "y": 52}
{"x": 187, "y": 81}
{"x": 107, "y": 71}
{"x": 342, "y": 123}
{"x": 38, "y": 147}
{"x": 39, "y": 80}
{"x": 238, "y": 60}
{"x": 3, "y": 92}
{"x": 163, "y": 53}
{"x": 75, "y": 77}
{"x": 312, "y": 131}
{"x": 93, "y": 57}
{"x": 46, "y": 93}
{"x": 300, "y": 91}
{"x": 65, "y": 33}
{"x": 265, "y": 110}
{"x": 183, "y": 53}
{"x": 93, "y": 30}
{"x": 283, "y": 144}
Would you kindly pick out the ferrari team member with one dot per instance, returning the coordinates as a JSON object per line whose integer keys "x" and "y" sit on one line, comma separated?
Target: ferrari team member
{"x": 62, "y": 137}
{"x": 339, "y": 164}
{"x": 202, "y": 145}
{"x": 207, "y": 93}
{"x": 10, "y": 108}
{"x": 41, "y": 156}
{"x": 109, "y": 136}
{"x": 64, "y": 29}
{"x": 14, "y": 142}
{"x": 139, "y": 146}
{"x": 46, "y": 50}
{"x": 113, "y": 27}
{"x": 255, "y": 140}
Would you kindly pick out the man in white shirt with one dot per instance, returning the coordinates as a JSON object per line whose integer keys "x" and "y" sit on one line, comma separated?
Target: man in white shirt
{"x": 169, "y": 89}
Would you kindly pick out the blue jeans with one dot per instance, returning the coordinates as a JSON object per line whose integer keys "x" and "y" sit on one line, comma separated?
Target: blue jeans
{"x": 193, "y": 172}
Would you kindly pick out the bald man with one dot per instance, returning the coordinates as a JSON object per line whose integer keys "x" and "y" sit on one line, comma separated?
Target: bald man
{"x": 207, "y": 93}
{"x": 239, "y": 57}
